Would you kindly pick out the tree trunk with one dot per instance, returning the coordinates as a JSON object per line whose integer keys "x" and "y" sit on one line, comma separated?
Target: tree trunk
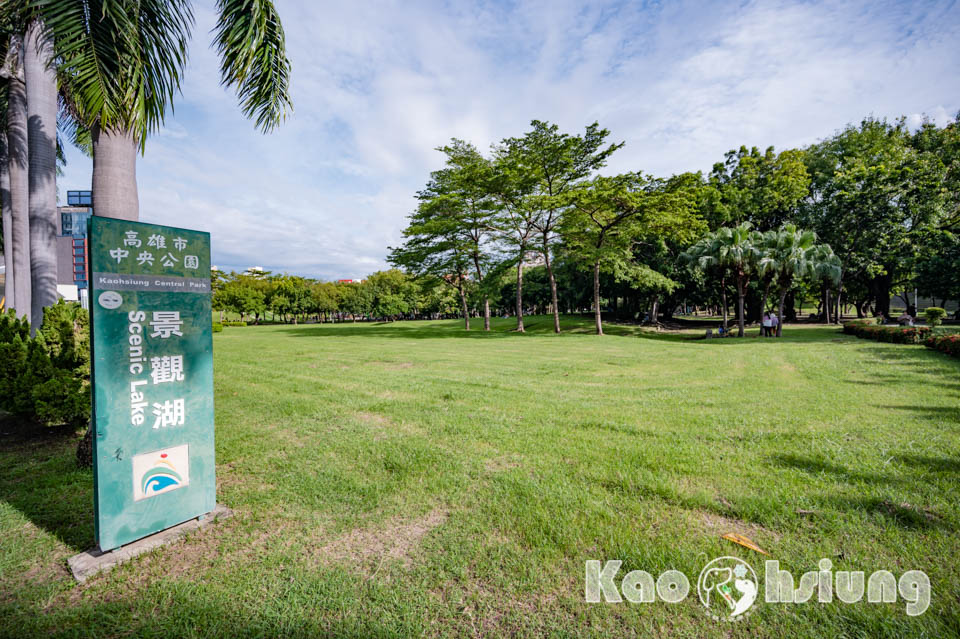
{"x": 486, "y": 299}
{"x": 41, "y": 80}
{"x": 18, "y": 169}
{"x": 826, "y": 304}
{"x": 783, "y": 299}
{"x": 9, "y": 292}
{"x": 740, "y": 319}
{"x": 763, "y": 306}
{"x": 463, "y": 301}
{"x": 655, "y": 310}
{"x": 115, "y": 174}
{"x": 723, "y": 294}
{"x": 553, "y": 285}
{"x": 596, "y": 297}
{"x": 520, "y": 292}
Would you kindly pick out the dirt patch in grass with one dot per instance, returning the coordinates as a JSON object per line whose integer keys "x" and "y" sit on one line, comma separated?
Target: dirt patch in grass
{"x": 720, "y": 524}
{"x": 397, "y": 540}
{"x": 500, "y": 464}
{"x": 393, "y": 366}
{"x": 373, "y": 418}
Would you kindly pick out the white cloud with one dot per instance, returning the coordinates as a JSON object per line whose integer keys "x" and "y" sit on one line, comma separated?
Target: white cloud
{"x": 378, "y": 85}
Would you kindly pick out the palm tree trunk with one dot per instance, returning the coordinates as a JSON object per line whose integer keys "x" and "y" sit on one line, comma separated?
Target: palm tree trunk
{"x": 41, "y": 81}
{"x": 723, "y": 294}
{"x": 115, "y": 174}
{"x": 18, "y": 169}
{"x": 783, "y": 297}
{"x": 596, "y": 297}
{"x": 9, "y": 291}
{"x": 740, "y": 295}
{"x": 763, "y": 306}
{"x": 520, "y": 292}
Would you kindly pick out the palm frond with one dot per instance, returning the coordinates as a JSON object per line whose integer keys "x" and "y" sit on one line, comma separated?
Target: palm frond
{"x": 121, "y": 61}
{"x": 250, "y": 40}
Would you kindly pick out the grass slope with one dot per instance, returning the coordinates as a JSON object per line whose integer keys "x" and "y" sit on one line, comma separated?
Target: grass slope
{"x": 411, "y": 479}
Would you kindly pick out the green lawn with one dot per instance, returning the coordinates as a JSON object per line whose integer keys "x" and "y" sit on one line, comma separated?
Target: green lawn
{"x": 412, "y": 480}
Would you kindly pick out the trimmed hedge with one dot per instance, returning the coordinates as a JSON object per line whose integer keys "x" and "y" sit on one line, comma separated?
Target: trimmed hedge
{"x": 949, "y": 344}
{"x": 234, "y": 323}
{"x": 217, "y": 327}
{"x": 890, "y": 334}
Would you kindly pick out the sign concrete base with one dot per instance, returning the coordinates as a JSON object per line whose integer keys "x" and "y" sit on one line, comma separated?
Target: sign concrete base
{"x": 87, "y": 564}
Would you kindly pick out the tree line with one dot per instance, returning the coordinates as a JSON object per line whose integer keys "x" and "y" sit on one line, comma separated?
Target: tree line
{"x": 867, "y": 213}
{"x": 384, "y": 295}
{"x": 102, "y": 76}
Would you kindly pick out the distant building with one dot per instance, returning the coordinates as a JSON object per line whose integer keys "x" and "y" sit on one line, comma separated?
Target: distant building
{"x": 72, "y": 249}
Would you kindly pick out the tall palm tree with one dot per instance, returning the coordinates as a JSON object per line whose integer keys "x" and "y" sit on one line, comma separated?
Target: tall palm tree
{"x": 125, "y": 61}
{"x": 791, "y": 254}
{"x": 735, "y": 252}
{"x": 17, "y": 174}
{"x": 8, "y": 291}
{"x": 40, "y": 80}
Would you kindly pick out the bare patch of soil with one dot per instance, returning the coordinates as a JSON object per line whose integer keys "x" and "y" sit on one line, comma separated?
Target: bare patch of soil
{"x": 397, "y": 540}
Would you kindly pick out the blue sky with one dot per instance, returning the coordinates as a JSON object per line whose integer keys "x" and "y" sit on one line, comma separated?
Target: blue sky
{"x": 378, "y": 85}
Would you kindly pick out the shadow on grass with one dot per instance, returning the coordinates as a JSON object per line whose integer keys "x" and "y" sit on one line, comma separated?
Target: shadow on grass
{"x": 184, "y": 608}
{"x": 42, "y": 481}
{"x": 542, "y": 325}
{"x": 500, "y": 328}
{"x": 904, "y": 515}
{"x": 933, "y": 464}
{"x": 937, "y": 413}
{"x": 821, "y": 467}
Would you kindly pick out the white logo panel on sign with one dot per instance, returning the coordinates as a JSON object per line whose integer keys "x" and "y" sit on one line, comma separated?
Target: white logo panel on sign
{"x": 160, "y": 471}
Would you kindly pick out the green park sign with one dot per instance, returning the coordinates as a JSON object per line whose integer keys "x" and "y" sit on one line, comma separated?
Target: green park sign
{"x": 152, "y": 377}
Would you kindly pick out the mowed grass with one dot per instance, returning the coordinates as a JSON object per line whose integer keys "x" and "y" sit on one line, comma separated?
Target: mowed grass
{"x": 413, "y": 480}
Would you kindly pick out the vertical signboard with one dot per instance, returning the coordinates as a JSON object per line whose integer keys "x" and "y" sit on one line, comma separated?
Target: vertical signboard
{"x": 152, "y": 377}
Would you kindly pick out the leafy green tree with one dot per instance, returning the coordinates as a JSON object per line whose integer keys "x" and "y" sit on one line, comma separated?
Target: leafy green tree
{"x": 872, "y": 196}
{"x": 434, "y": 245}
{"x": 241, "y": 297}
{"x": 356, "y": 300}
{"x": 458, "y": 202}
{"x": 557, "y": 163}
{"x": 938, "y": 267}
{"x": 514, "y": 185}
{"x": 324, "y": 298}
{"x": 608, "y": 214}
{"x": 392, "y": 293}
{"x": 764, "y": 189}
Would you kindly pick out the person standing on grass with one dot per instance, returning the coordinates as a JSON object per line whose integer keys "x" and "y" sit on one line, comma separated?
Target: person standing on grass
{"x": 767, "y": 323}
{"x": 774, "y": 323}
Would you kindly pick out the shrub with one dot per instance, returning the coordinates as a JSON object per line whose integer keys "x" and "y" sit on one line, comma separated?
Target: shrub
{"x": 890, "y": 334}
{"x": 234, "y": 323}
{"x": 45, "y": 379}
{"x": 217, "y": 327}
{"x": 934, "y": 315}
{"x": 949, "y": 344}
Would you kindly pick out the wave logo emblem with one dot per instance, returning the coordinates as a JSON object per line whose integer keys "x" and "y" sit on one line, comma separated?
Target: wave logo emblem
{"x": 728, "y": 588}
{"x": 160, "y": 472}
